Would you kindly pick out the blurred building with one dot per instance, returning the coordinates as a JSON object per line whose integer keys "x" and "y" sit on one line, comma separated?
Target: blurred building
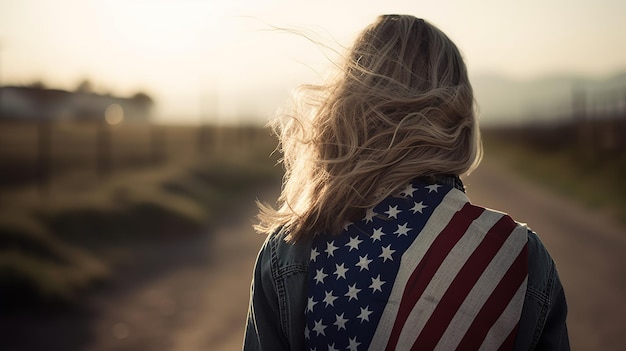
{"x": 37, "y": 103}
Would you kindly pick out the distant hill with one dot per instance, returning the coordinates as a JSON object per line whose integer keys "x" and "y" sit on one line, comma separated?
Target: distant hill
{"x": 503, "y": 100}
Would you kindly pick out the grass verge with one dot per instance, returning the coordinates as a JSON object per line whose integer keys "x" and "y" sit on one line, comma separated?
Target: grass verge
{"x": 594, "y": 179}
{"x": 54, "y": 248}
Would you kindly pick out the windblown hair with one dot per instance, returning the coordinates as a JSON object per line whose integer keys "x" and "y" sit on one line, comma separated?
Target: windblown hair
{"x": 401, "y": 107}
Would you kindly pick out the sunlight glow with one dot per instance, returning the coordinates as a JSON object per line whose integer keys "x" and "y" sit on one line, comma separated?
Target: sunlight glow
{"x": 162, "y": 27}
{"x": 213, "y": 57}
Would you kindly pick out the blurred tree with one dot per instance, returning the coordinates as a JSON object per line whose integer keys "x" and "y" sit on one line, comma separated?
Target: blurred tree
{"x": 37, "y": 84}
{"x": 142, "y": 106}
{"x": 85, "y": 87}
{"x": 142, "y": 98}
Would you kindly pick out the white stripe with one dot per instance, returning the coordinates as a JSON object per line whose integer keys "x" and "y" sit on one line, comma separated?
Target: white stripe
{"x": 447, "y": 271}
{"x": 451, "y": 203}
{"x": 483, "y": 288}
{"x": 507, "y": 321}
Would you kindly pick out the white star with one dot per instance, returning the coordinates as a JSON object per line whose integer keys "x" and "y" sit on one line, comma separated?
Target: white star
{"x": 377, "y": 284}
{"x": 354, "y": 243}
{"x": 307, "y": 332}
{"x": 378, "y": 233}
{"x": 364, "y": 263}
{"x": 418, "y": 207}
{"x": 402, "y": 229}
{"x": 330, "y": 248}
{"x": 433, "y": 187}
{"x": 408, "y": 191}
{"x": 320, "y": 276}
{"x": 386, "y": 253}
{"x": 392, "y": 212}
{"x": 340, "y": 322}
{"x": 353, "y": 344}
{"x": 365, "y": 314}
{"x": 319, "y": 328}
{"x": 352, "y": 292}
{"x": 340, "y": 271}
{"x": 330, "y": 299}
{"x": 310, "y": 304}
{"x": 369, "y": 215}
{"x": 332, "y": 347}
{"x": 347, "y": 225}
{"x": 314, "y": 254}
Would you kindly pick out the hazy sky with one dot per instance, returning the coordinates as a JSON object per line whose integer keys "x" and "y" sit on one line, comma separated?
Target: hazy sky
{"x": 192, "y": 54}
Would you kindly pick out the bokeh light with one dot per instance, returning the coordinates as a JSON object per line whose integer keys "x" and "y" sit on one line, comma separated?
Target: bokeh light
{"x": 114, "y": 114}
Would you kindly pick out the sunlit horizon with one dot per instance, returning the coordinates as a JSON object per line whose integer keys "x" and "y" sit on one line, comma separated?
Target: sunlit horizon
{"x": 202, "y": 59}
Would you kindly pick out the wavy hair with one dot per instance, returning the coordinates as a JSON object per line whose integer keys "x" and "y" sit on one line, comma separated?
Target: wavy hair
{"x": 400, "y": 107}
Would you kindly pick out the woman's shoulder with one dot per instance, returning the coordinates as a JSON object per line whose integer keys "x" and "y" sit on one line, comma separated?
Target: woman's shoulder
{"x": 286, "y": 253}
{"x": 541, "y": 266}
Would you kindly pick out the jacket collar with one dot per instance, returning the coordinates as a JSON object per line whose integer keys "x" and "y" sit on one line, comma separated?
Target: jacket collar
{"x": 444, "y": 179}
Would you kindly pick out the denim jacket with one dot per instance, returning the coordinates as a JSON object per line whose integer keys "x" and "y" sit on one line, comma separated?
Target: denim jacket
{"x": 279, "y": 296}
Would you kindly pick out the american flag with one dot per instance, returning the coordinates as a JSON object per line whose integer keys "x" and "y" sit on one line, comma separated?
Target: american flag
{"x": 421, "y": 270}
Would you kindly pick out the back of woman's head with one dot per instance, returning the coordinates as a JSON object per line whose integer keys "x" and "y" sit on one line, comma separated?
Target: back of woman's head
{"x": 401, "y": 107}
{"x": 405, "y": 53}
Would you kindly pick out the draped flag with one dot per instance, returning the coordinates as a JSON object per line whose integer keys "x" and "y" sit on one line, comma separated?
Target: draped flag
{"x": 422, "y": 270}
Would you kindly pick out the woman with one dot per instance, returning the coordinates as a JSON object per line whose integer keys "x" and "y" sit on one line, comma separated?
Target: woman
{"x": 375, "y": 244}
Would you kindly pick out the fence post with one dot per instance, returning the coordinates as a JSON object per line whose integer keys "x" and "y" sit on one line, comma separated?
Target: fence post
{"x": 579, "y": 116}
{"x": 103, "y": 149}
{"x": 157, "y": 144}
{"x": 44, "y": 149}
{"x": 203, "y": 138}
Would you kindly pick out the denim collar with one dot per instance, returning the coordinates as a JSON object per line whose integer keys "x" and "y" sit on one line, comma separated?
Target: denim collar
{"x": 444, "y": 179}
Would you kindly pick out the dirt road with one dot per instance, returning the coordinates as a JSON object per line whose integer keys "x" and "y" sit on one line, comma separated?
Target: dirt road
{"x": 197, "y": 297}
{"x": 589, "y": 250}
{"x": 201, "y": 306}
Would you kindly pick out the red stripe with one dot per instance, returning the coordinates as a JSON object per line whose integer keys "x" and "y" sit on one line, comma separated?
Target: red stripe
{"x": 509, "y": 342}
{"x": 497, "y": 302}
{"x": 463, "y": 283}
{"x": 427, "y": 267}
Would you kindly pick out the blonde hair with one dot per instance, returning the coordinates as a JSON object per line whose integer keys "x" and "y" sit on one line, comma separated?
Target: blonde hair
{"x": 401, "y": 107}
